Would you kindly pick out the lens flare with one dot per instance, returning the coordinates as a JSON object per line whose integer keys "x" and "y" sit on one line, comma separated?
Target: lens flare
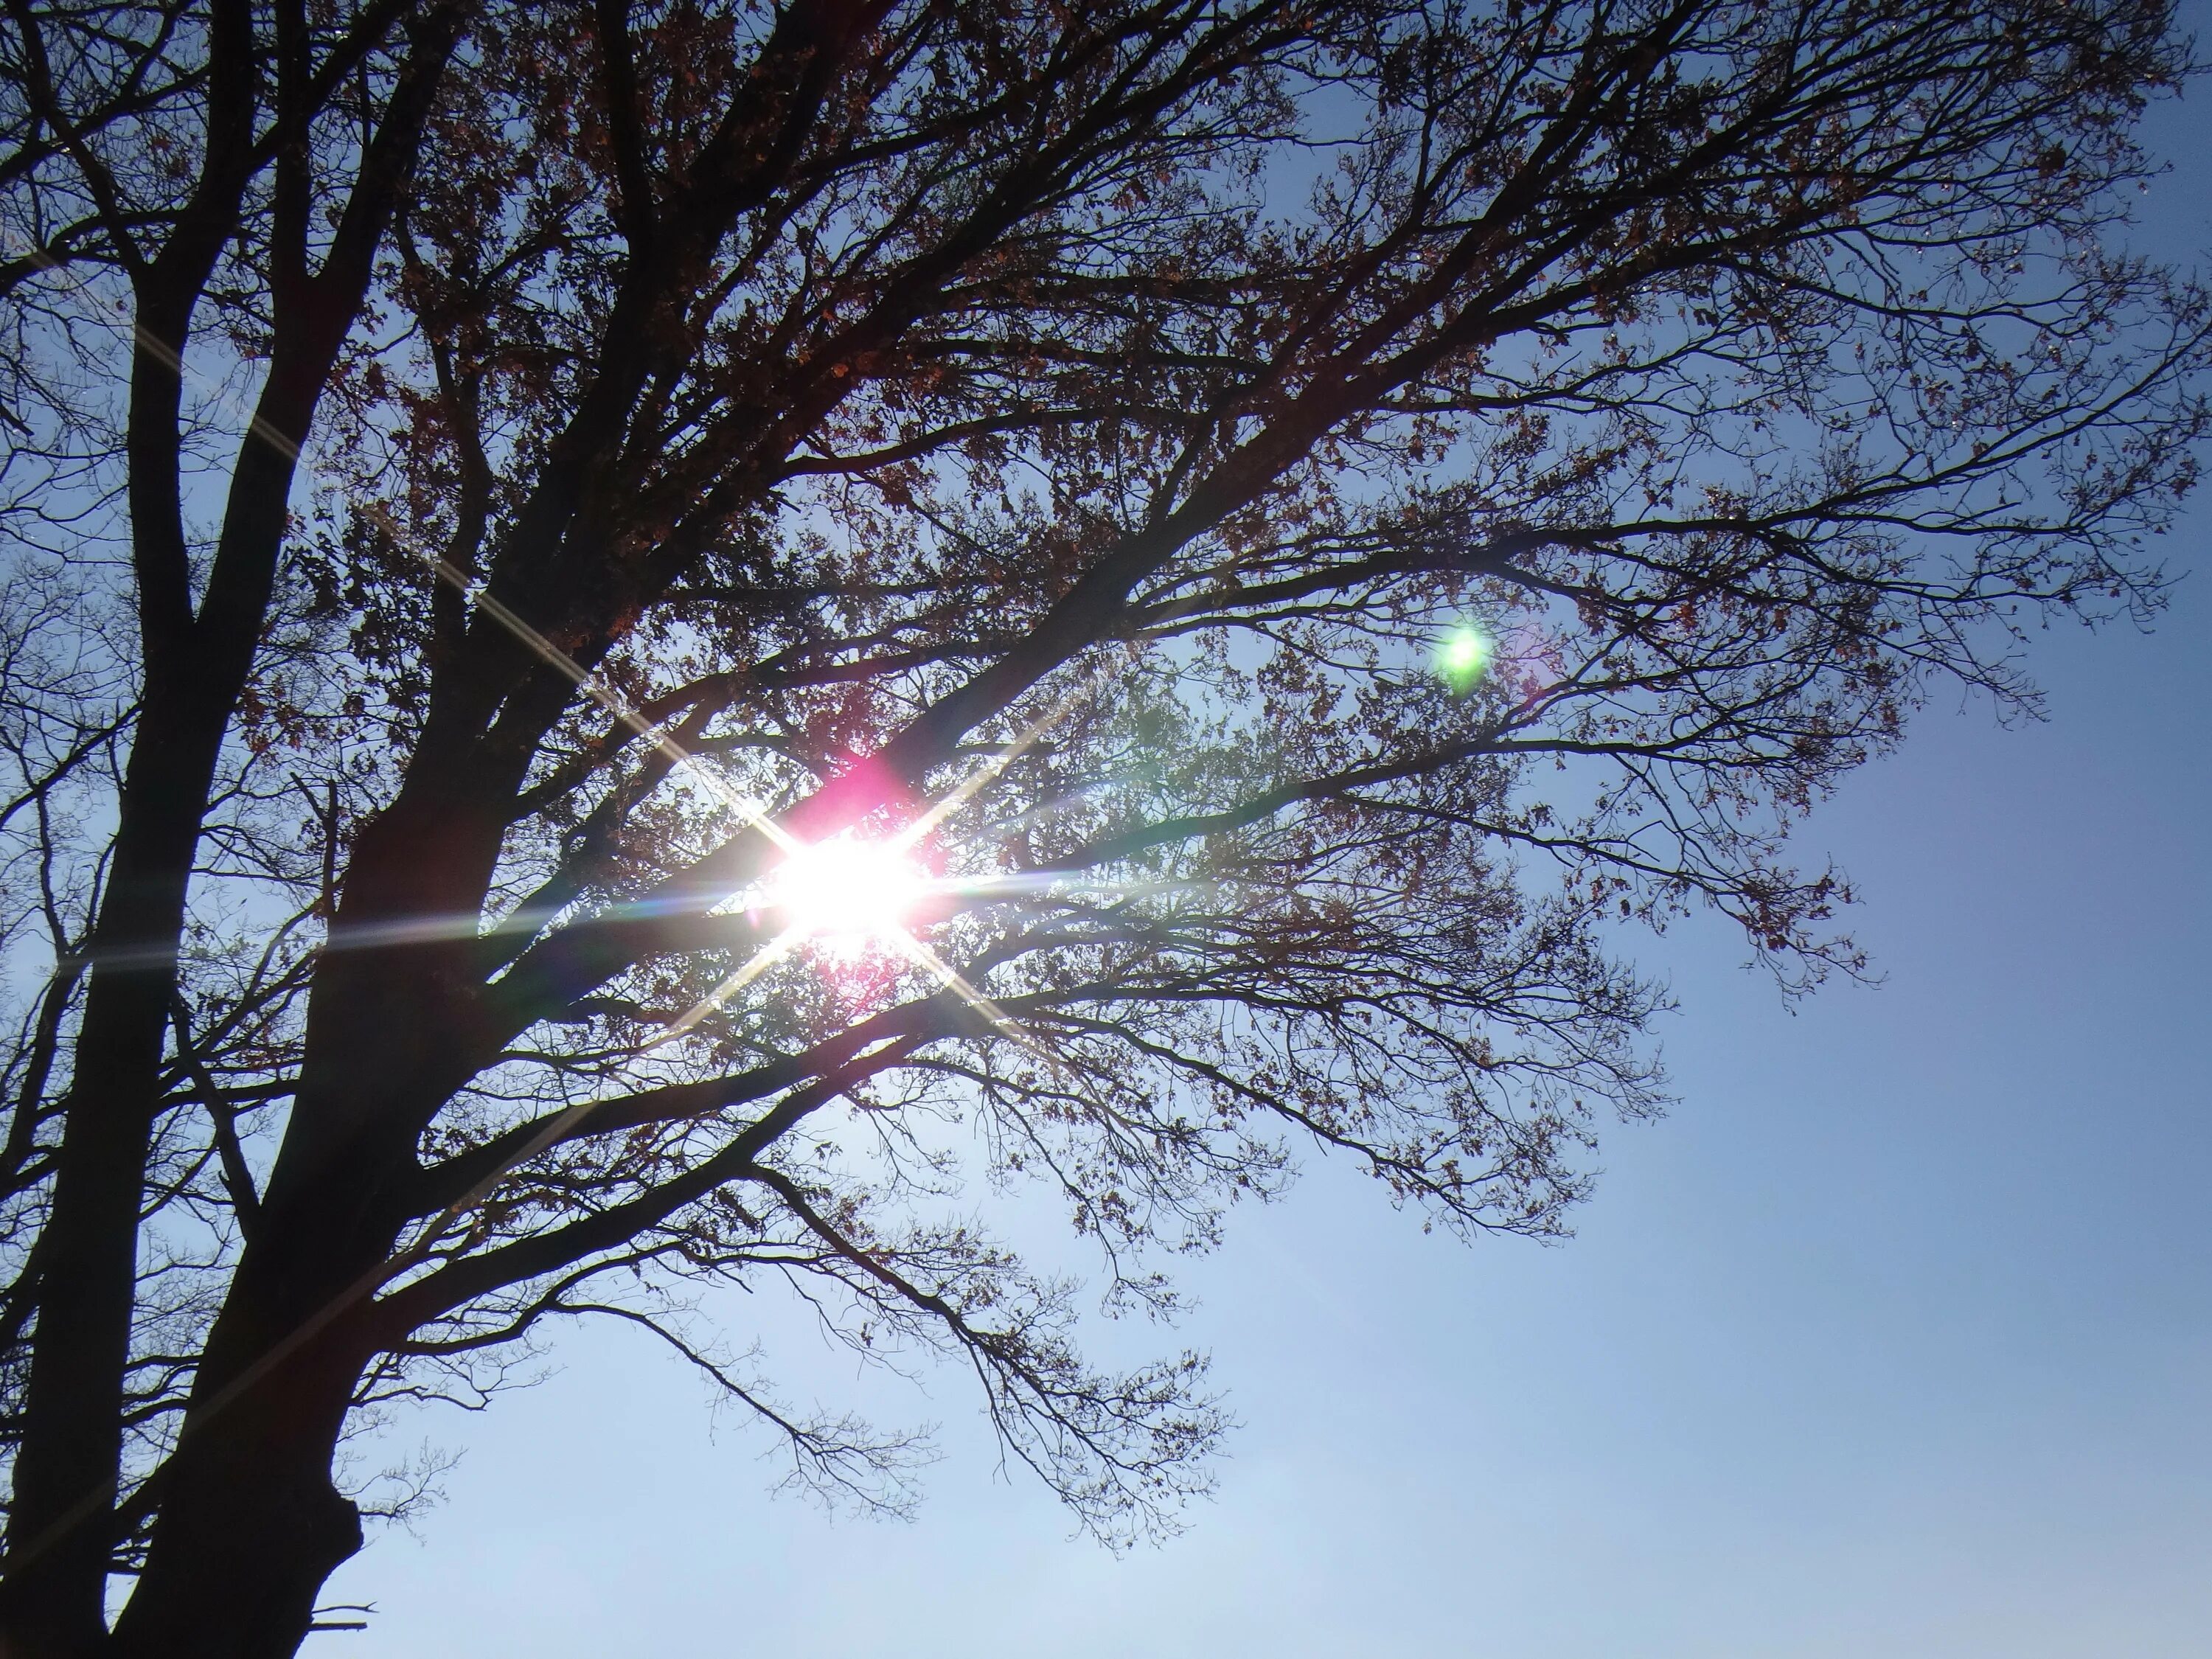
{"x": 847, "y": 893}
{"x": 1463, "y": 658}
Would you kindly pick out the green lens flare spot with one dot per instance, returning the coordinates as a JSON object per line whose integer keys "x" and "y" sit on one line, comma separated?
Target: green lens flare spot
{"x": 1463, "y": 658}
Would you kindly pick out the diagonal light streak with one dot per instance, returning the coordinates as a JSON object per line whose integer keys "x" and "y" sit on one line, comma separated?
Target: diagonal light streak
{"x": 762, "y": 960}
{"x": 592, "y": 685}
{"x": 162, "y": 352}
{"x": 968, "y": 786}
{"x": 954, "y": 981}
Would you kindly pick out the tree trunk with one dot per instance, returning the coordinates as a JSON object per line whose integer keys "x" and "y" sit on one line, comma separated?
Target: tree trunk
{"x": 251, "y": 1525}
{"x": 67, "y": 1469}
{"x": 50, "y": 1603}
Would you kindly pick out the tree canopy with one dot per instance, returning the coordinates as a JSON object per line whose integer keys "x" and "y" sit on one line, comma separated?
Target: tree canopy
{"x": 660, "y": 643}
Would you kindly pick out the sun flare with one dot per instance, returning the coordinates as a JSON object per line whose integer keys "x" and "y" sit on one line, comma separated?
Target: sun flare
{"x": 1463, "y": 657}
{"x": 847, "y": 892}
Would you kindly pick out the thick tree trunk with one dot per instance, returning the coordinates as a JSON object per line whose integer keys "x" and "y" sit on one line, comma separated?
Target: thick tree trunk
{"x": 251, "y": 1525}
{"x": 270, "y": 1529}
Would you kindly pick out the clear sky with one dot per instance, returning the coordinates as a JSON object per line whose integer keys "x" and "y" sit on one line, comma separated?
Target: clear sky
{"x": 1895, "y": 1338}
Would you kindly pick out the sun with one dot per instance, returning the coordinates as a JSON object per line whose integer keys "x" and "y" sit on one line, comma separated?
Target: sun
{"x": 847, "y": 892}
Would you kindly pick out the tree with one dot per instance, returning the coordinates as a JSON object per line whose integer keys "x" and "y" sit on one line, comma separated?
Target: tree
{"x": 641, "y": 637}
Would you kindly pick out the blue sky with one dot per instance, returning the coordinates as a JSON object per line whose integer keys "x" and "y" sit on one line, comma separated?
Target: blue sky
{"x": 1895, "y": 1338}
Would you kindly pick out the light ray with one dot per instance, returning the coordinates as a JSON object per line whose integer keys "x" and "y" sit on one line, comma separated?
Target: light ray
{"x": 966, "y": 789}
{"x": 954, "y": 981}
{"x": 590, "y": 683}
{"x": 163, "y": 352}
{"x": 763, "y": 959}
{"x": 1016, "y": 884}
